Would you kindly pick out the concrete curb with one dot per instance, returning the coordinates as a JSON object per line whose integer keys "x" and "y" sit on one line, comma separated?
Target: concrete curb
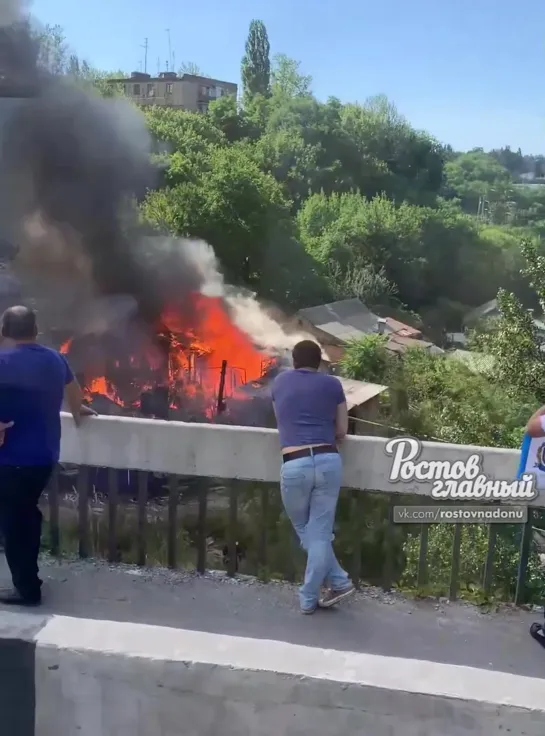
{"x": 90, "y": 677}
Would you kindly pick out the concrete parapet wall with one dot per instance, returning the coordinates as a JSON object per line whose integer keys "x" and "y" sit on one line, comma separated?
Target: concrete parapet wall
{"x": 80, "y": 677}
{"x": 248, "y": 453}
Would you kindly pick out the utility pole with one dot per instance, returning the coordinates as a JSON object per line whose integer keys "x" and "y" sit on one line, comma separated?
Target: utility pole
{"x": 145, "y": 47}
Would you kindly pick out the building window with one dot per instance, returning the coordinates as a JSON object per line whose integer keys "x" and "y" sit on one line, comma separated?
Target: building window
{"x": 151, "y": 90}
{"x": 203, "y": 107}
{"x": 220, "y": 91}
{"x": 204, "y": 91}
{"x": 169, "y": 88}
{"x": 136, "y": 90}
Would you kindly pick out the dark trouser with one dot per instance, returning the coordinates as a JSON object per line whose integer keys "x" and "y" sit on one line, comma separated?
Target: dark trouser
{"x": 21, "y": 523}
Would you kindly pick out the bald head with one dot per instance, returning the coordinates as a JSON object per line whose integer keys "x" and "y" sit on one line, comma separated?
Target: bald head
{"x": 19, "y": 324}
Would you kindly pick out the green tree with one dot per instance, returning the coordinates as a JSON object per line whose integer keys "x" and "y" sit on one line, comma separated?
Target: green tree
{"x": 256, "y": 65}
{"x": 53, "y": 50}
{"x": 443, "y": 398}
{"x": 368, "y": 360}
{"x": 219, "y": 194}
{"x": 411, "y": 163}
{"x": 55, "y": 57}
{"x": 513, "y": 338}
{"x": 360, "y": 281}
{"x": 189, "y": 67}
{"x": 226, "y": 117}
{"x": 287, "y": 79}
{"x": 475, "y": 176}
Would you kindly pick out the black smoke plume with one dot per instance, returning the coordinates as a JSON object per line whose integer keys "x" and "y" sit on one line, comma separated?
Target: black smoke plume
{"x": 72, "y": 165}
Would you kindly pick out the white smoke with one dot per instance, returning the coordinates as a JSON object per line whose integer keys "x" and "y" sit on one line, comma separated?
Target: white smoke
{"x": 246, "y": 312}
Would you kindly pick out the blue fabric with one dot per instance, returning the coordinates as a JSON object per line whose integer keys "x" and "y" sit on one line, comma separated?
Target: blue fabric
{"x": 32, "y": 381}
{"x": 524, "y": 450}
{"x": 310, "y": 490}
{"x": 305, "y": 404}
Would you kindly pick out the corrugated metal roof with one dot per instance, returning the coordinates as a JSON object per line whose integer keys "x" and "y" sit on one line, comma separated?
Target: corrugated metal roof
{"x": 399, "y": 344}
{"x": 346, "y": 320}
{"x": 356, "y": 392}
{"x": 359, "y": 392}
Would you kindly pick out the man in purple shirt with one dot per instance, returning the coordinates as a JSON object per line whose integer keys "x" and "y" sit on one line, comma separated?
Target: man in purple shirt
{"x": 312, "y": 418}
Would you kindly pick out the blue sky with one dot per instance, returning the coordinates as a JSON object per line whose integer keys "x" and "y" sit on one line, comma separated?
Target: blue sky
{"x": 472, "y": 72}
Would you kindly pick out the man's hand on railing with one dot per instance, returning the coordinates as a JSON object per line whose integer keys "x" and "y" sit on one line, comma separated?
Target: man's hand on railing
{"x": 84, "y": 411}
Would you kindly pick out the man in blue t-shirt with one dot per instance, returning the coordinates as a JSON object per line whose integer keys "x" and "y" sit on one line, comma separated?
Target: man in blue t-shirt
{"x": 312, "y": 418}
{"x": 34, "y": 381}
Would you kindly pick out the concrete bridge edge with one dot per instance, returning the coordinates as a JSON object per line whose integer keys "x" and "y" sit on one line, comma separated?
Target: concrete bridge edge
{"x": 84, "y": 676}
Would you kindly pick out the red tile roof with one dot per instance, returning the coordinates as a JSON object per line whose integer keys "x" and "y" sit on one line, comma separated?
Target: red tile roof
{"x": 401, "y": 329}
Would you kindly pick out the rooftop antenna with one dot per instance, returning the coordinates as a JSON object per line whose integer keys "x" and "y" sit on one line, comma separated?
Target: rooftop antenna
{"x": 169, "y": 48}
{"x": 145, "y": 47}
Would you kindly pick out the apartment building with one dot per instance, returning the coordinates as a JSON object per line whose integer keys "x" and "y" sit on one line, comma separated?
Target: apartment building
{"x": 187, "y": 91}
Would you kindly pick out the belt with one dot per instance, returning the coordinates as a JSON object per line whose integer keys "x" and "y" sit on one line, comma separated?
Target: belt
{"x": 309, "y": 452}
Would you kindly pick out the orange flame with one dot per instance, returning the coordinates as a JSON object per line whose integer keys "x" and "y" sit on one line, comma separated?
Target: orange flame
{"x": 65, "y": 347}
{"x": 195, "y": 356}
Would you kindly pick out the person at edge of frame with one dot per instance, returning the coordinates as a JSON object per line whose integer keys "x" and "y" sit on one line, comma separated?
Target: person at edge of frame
{"x": 536, "y": 428}
{"x": 34, "y": 381}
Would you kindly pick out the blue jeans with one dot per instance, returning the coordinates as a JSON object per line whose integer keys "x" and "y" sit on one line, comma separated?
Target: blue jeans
{"x": 310, "y": 490}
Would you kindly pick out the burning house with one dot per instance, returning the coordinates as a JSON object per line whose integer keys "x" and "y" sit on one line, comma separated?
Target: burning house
{"x": 192, "y": 365}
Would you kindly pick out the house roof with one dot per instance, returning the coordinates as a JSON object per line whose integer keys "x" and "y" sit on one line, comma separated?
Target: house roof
{"x": 359, "y": 392}
{"x": 400, "y": 344}
{"x": 402, "y": 329}
{"x": 356, "y": 392}
{"x": 479, "y": 312}
{"x": 346, "y": 320}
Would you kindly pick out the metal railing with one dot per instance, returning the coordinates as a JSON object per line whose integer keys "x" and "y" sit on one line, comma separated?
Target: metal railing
{"x": 251, "y": 455}
{"x": 113, "y": 505}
